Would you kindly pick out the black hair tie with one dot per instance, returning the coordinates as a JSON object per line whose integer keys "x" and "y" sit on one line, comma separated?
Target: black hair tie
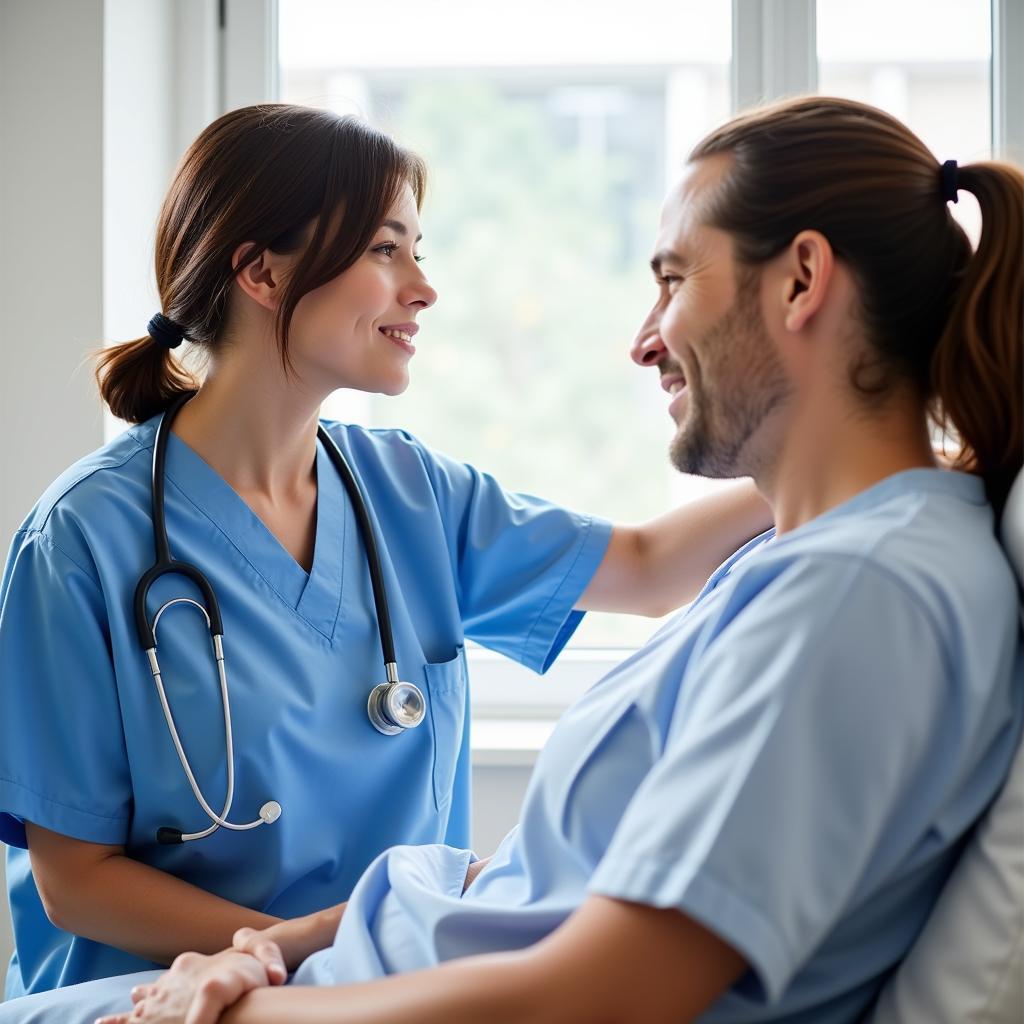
{"x": 950, "y": 182}
{"x": 165, "y": 332}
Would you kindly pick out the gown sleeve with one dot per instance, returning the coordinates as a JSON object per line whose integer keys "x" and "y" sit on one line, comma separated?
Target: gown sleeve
{"x": 62, "y": 753}
{"x": 520, "y": 563}
{"x": 803, "y": 729}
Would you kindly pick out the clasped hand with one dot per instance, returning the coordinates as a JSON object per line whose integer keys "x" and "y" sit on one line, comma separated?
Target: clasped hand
{"x": 198, "y": 989}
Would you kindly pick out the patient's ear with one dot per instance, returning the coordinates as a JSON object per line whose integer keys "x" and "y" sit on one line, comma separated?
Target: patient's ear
{"x": 807, "y": 268}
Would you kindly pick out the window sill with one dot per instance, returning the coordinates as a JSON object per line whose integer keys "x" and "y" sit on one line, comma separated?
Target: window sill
{"x": 503, "y": 689}
{"x": 508, "y": 742}
{"x": 515, "y": 710}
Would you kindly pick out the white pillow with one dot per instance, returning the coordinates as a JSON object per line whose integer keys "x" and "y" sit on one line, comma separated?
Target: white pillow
{"x": 967, "y": 965}
{"x": 1013, "y": 528}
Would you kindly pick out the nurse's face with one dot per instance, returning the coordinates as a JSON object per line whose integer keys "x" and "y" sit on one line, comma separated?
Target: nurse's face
{"x": 707, "y": 337}
{"x": 358, "y": 330}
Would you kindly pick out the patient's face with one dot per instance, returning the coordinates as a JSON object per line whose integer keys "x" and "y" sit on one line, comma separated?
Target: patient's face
{"x": 718, "y": 362}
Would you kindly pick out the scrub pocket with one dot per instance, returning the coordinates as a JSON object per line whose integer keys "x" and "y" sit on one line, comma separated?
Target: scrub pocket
{"x": 446, "y": 683}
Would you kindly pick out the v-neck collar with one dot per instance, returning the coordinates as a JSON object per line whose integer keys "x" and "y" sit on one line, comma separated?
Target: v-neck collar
{"x": 315, "y": 596}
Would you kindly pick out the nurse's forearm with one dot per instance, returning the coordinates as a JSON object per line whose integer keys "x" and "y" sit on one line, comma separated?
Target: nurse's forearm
{"x": 296, "y": 939}
{"x": 682, "y": 548}
{"x": 101, "y": 894}
{"x": 152, "y": 914}
{"x": 657, "y": 567}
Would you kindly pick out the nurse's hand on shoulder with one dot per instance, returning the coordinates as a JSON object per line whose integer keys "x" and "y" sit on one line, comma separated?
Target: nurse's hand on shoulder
{"x": 198, "y": 989}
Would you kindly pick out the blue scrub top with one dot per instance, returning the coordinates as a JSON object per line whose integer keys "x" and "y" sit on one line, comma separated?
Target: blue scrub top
{"x": 84, "y": 749}
{"x": 793, "y": 762}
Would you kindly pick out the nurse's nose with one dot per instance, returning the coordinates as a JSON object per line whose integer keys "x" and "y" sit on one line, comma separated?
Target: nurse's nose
{"x": 418, "y": 292}
{"x": 648, "y": 348}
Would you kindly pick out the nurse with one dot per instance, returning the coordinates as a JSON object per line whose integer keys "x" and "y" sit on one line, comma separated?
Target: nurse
{"x": 287, "y": 253}
{"x": 750, "y": 819}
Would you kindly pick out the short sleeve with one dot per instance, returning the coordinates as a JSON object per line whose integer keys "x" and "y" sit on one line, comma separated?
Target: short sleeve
{"x": 521, "y": 563}
{"x": 62, "y": 755}
{"x": 800, "y": 732}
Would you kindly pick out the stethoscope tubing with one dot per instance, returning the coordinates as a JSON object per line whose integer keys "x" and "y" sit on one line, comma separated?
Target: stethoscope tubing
{"x": 165, "y": 564}
{"x": 219, "y": 820}
{"x": 358, "y": 502}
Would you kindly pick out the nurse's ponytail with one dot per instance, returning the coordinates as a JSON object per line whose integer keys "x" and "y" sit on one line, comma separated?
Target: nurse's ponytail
{"x": 940, "y": 319}
{"x": 281, "y": 177}
{"x": 140, "y": 378}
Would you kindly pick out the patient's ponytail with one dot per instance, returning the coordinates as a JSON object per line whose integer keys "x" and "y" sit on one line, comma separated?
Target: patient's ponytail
{"x": 978, "y": 366}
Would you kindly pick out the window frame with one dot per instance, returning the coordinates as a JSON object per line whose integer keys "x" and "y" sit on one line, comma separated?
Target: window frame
{"x": 1007, "y": 81}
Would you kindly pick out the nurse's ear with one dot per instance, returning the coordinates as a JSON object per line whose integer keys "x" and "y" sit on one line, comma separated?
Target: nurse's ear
{"x": 260, "y": 278}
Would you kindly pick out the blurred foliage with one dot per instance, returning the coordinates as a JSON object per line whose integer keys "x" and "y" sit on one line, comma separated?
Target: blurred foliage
{"x": 523, "y": 365}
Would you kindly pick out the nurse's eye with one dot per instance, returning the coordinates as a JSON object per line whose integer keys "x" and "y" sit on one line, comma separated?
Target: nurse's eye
{"x": 667, "y": 280}
{"x": 389, "y": 249}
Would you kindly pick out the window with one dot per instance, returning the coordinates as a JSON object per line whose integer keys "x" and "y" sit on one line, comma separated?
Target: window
{"x": 552, "y": 129}
{"x": 551, "y": 137}
{"x": 928, "y": 62}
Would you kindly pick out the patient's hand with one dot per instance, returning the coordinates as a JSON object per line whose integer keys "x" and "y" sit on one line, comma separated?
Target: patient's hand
{"x": 197, "y": 989}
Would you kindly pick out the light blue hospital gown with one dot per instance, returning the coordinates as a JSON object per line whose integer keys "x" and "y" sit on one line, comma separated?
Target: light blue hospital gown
{"x": 794, "y": 762}
{"x": 84, "y": 749}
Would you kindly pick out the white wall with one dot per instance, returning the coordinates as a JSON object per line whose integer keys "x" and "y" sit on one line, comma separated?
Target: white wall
{"x": 97, "y": 100}
{"x": 497, "y": 796}
{"x": 51, "y": 284}
{"x": 51, "y": 270}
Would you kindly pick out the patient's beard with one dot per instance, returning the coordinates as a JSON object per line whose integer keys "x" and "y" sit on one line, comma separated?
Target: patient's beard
{"x": 739, "y": 384}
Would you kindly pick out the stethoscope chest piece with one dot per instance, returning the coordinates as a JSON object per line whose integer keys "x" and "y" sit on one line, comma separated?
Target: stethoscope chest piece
{"x": 395, "y": 706}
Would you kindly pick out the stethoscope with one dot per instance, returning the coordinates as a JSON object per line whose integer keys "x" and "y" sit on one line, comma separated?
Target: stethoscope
{"x": 392, "y": 707}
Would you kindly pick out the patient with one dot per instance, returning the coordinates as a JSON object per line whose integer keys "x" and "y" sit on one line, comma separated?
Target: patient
{"x": 750, "y": 819}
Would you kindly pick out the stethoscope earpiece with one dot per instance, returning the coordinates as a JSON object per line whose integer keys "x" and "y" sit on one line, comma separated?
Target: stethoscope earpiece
{"x": 393, "y": 707}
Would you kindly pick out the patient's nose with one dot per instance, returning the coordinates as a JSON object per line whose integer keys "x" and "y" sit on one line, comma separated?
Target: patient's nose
{"x": 648, "y": 348}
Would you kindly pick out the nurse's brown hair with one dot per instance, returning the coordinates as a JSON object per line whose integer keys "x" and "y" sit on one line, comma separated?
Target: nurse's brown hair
{"x": 946, "y": 320}
{"x": 264, "y": 174}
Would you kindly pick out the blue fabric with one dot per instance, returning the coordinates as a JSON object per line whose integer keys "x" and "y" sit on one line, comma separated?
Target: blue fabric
{"x": 83, "y": 746}
{"x": 793, "y": 762}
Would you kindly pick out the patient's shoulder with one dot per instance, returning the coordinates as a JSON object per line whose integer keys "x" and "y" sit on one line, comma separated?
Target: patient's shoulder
{"x": 926, "y": 537}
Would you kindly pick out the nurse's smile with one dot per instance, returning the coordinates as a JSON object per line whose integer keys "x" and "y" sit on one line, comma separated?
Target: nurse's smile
{"x": 402, "y": 335}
